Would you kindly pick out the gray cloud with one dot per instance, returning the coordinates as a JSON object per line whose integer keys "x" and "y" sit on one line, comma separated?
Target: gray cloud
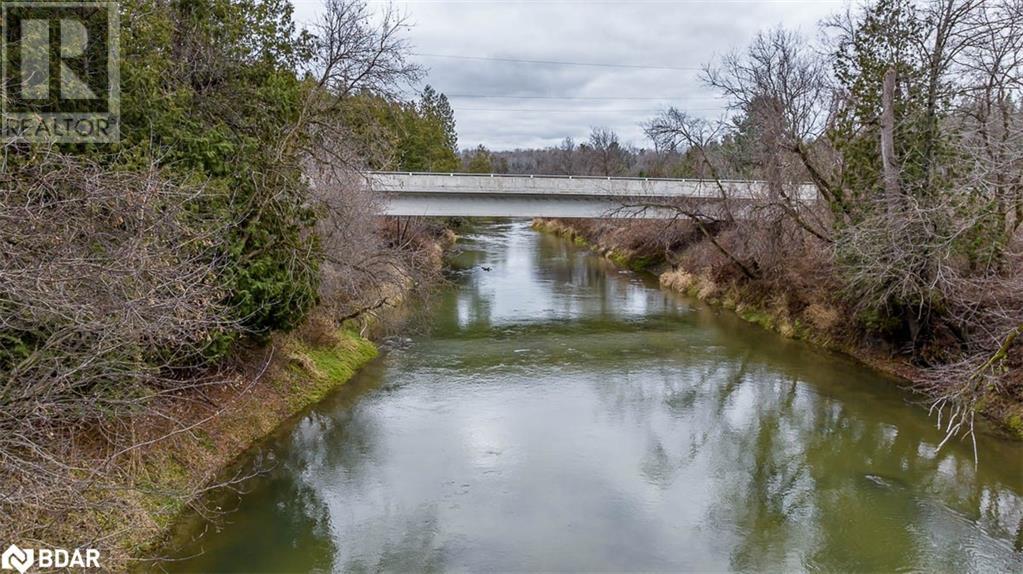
{"x": 644, "y": 33}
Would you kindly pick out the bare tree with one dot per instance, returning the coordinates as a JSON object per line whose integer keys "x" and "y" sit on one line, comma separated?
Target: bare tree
{"x": 607, "y": 155}
{"x": 566, "y": 157}
{"x": 355, "y": 54}
{"x": 990, "y": 122}
{"x": 782, "y": 87}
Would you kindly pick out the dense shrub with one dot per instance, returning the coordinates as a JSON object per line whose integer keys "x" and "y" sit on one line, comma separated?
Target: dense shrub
{"x": 231, "y": 207}
{"x": 210, "y": 87}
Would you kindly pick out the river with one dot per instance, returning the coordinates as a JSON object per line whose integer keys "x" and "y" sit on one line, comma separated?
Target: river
{"x": 556, "y": 413}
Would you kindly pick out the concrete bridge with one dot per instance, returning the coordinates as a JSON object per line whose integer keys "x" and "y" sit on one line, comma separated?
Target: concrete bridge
{"x": 503, "y": 195}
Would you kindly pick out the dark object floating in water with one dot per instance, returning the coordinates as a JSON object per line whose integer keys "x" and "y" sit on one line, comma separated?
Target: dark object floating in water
{"x": 485, "y": 268}
{"x": 888, "y": 482}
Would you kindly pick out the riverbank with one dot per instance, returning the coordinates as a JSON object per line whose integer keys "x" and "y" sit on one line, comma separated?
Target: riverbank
{"x": 549, "y": 408}
{"x": 185, "y": 442}
{"x": 298, "y": 371}
{"x": 812, "y": 315}
{"x": 188, "y": 439}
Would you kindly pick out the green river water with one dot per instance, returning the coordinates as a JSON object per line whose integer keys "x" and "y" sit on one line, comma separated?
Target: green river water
{"x": 559, "y": 414}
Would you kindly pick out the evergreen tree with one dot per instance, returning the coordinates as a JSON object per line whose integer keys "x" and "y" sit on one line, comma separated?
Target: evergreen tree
{"x": 447, "y": 119}
{"x": 401, "y": 136}
{"x": 891, "y": 35}
{"x": 436, "y": 106}
{"x": 480, "y": 161}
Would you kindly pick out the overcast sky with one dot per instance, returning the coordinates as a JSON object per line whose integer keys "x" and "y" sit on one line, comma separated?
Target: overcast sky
{"x": 644, "y": 37}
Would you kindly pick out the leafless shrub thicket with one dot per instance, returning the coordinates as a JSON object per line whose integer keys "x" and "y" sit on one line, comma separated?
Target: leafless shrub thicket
{"x": 359, "y": 52}
{"x": 368, "y": 264}
{"x": 110, "y": 296}
{"x": 775, "y": 225}
{"x": 908, "y": 121}
{"x": 113, "y": 286}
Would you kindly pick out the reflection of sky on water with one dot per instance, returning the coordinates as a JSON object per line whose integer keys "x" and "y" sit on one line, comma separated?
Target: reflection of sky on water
{"x": 564, "y": 416}
{"x": 529, "y": 283}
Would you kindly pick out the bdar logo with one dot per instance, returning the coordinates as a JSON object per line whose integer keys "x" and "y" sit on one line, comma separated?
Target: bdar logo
{"x": 21, "y": 559}
{"x": 15, "y": 558}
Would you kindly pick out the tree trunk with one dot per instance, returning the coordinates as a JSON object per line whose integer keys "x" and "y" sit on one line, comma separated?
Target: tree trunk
{"x": 888, "y": 160}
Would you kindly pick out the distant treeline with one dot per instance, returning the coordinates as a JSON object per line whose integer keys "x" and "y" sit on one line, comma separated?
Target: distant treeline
{"x": 604, "y": 154}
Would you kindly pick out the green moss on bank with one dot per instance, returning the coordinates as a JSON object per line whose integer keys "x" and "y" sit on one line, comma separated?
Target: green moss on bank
{"x": 303, "y": 375}
{"x": 632, "y": 261}
{"x": 1015, "y": 424}
{"x": 331, "y": 366}
{"x": 757, "y": 316}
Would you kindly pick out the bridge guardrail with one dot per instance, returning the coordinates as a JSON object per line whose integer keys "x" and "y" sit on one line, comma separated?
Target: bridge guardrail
{"x": 699, "y": 187}
{"x": 554, "y": 176}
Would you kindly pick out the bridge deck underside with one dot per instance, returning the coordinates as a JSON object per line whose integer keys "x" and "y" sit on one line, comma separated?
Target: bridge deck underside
{"x": 489, "y": 205}
{"x": 475, "y": 195}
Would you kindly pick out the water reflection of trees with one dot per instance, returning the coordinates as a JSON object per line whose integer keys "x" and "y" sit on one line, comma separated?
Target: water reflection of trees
{"x": 416, "y": 549}
{"x": 853, "y": 487}
{"x": 279, "y": 511}
{"x": 807, "y": 464}
{"x": 806, "y": 473}
{"x": 337, "y": 444}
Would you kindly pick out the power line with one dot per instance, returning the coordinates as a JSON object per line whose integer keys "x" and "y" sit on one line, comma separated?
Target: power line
{"x": 593, "y": 98}
{"x": 619, "y": 2}
{"x": 577, "y": 110}
{"x": 558, "y": 63}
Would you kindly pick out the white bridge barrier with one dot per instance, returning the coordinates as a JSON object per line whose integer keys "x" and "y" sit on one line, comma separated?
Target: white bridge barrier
{"x": 501, "y": 195}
